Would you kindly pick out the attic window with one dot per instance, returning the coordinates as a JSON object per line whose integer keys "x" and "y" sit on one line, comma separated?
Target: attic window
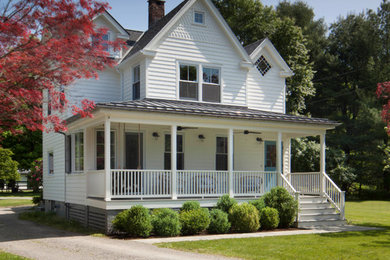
{"x": 198, "y": 17}
{"x": 262, "y": 65}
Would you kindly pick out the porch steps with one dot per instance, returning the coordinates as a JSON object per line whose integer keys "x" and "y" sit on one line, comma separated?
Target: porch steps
{"x": 316, "y": 211}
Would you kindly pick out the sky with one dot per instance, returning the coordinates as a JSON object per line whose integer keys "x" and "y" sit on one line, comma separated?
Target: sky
{"x": 133, "y": 14}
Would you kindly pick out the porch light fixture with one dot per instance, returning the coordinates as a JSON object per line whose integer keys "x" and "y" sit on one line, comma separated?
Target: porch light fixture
{"x": 259, "y": 139}
{"x": 156, "y": 135}
{"x": 201, "y": 137}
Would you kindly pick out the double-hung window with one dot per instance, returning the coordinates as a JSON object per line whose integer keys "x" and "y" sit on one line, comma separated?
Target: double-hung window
{"x": 211, "y": 87}
{"x": 51, "y": 162}
{"x": 179, "y": 153}
{"x": 79, "y": 152}
{"x": 136, "y": 82}
{"x": 188, "y": 82}
{"x": 221, "y": 157}
{"x": 100, "y": 150}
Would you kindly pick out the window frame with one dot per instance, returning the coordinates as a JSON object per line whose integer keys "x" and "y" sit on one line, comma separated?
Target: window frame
{"x": 211, "y": 83}
{"x": 50, "y": 162}
{"x": 194, "y": 21}
{"x": 177, "y": 152}
{"x": 218, "y": 153}
{"x": 74, "y": 157}
{"x": 197, "y": 81}
{"x": 113, "y": 156}
{"x": 136, "y": 83}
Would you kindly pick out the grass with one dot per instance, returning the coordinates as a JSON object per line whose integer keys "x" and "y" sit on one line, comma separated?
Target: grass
{"x": 27, "y": 193}
{"x": 15, "y": 202}
{"x": 50, "y": 219}
{"x": 346, "y": 245}
{"x": 9, "y": 256}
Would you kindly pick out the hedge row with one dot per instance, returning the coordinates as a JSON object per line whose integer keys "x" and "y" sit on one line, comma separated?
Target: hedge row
{"x": 275, "y": 209}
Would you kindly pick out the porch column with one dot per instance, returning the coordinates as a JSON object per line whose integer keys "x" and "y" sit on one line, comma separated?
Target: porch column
{"x": 230, "y": 161}
{"x": 107, "y": 157}
{"x": 278, "y": 157}
{"x": 174, "y": 160}
{"x": 287, "y": 157}
{"x": 322, "y": 163}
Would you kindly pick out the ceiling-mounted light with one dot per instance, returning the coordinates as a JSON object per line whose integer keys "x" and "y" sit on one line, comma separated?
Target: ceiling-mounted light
{"x": 156, "y": 135}
{"x": 259, "y": 139}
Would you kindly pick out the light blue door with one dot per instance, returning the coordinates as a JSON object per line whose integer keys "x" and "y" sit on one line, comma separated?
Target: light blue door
{"x": 269, "y": 156}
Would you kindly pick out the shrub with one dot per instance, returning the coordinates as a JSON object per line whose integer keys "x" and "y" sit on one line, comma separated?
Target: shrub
{"x": 287, "y": 207}
{"x": 194, "y": 221}
{"x": 259, "y": 204}
{"x": 244, "y": 218}
{"x": 37, "y": 199}
{"x": 135, "y": 221}
{"x": 219, "y": 223}
{"x": 166, "y": 222}
{"x": 269, "y": 218}
{"x": 190, "y": 205}
{"x": 225, "y": 203}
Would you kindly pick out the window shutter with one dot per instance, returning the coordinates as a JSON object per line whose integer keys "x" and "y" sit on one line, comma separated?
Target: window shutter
{"x": 68, "y": 154}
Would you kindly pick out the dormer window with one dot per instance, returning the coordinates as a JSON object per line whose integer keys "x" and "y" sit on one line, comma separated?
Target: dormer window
{"x": 106, "y": 38}
{"x": 198, "y": 17}
{"x": 262, "y": 65}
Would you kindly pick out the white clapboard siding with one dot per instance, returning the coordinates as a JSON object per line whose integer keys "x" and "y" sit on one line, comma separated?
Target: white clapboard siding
{"x": 76, "y": 188}
{"x": 54, "y": 183}
{"x": 190, "y": 43}
{"x": 266, "y": 92}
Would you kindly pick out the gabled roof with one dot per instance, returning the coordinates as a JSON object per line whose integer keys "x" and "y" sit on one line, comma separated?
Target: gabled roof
{"x": 154, "y": 30}
{"x": 207, "y": 109}
{"x": 153, "y": 34}
{"x": 113, "y": 22}
{"x": 254, "y": 50}
{"x": 252, "y": 47}
{"x": 134, "y": 36}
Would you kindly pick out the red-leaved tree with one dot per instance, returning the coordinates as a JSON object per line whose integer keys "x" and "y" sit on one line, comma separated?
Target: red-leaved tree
{"x": 383, "y": 92}
{"x": 45, "y": 45}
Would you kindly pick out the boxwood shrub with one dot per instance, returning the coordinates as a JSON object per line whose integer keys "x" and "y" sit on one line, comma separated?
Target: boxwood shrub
{"x": 135, "y": 221}
{"x": 287, "y": 206}
{"x": 225, "y": 203}
{"x": 259, "y": 204}
{"x": 166, "y": 222}
{"x": 219, "y": 222}
{"x": 244, "y": 218}
{"x": 269, "y": 218}
{"x": 194, "y": 221}
{"x": 190, "y": 205}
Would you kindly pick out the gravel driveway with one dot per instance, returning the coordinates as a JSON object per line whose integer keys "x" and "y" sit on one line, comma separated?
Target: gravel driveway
{"x": 41, "y": 242}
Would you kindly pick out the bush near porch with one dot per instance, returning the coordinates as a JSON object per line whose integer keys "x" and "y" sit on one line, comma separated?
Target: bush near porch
{"x": 229, "y": 216}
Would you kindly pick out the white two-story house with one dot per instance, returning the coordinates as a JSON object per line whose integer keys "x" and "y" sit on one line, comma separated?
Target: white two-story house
{"x": 188, "y": 113}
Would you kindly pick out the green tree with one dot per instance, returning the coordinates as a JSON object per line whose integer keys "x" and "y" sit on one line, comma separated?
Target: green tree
{"x": 251, "y": 21}
{"x": 26, "y": 147}
{"x": 8, "y": 167}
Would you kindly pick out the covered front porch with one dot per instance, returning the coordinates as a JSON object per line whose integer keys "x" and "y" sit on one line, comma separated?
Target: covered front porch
{"x": 127, "y": 156}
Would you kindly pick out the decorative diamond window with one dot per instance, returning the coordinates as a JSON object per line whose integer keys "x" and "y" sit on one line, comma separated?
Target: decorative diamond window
{"x": 262, "y": 65}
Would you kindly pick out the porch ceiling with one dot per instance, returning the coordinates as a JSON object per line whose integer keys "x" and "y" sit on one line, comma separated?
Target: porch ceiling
{"x": 213, "y": 110}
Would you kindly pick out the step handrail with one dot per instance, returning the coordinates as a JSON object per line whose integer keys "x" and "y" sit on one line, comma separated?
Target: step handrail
{"x": 287, "y": 185}
{"x": 334, "y": 194}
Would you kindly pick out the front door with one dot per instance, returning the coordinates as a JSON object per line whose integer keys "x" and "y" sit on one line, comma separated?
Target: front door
{"x": 134, "y": 151}
{"x": 270, "y": 156}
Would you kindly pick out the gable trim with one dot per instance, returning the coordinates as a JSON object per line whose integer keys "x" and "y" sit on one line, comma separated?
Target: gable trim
{"x": 229, "y": 33}
{"x": 267, "y": 44}
{"x": 114, "y": 23}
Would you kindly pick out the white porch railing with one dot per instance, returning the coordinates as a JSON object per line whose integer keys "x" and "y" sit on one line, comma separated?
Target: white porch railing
{"x": 306, "y": 182}
{"x": 202, "y": 183}
{"x": 140, "y": 184}
{"x": 253, "y": 183}
{"x": 334, "y": 194}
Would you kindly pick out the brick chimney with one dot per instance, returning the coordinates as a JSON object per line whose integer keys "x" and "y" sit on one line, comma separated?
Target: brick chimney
{"x": 156, "y": 11}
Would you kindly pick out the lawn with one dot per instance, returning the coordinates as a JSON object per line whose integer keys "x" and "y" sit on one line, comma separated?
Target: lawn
{"x": 27, "y": 193}
{"x": 8, "y": 256}
{"x": 348, "y": 245}
{"x": 15, "y": 202}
